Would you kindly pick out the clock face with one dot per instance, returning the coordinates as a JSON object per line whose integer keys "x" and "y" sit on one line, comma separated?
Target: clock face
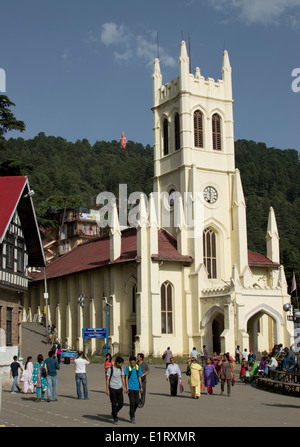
{"x": 210, "y": 194}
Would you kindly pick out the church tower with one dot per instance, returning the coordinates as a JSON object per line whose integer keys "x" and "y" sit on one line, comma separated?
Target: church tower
{"x": 194, "y": 153}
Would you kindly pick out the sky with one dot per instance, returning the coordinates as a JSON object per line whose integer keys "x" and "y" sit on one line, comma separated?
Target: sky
{"x": 83, "y": 69}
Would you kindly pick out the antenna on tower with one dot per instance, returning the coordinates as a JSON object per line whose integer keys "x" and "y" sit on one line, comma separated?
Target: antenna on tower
{"x": 190, "y": 53}
{"x": 157, "y": 44}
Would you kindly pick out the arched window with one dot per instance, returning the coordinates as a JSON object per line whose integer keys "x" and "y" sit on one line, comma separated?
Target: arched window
{"x": 166, "y": 296}
{"x": 177, "y": 132}
{"x": 198, "y": 129}
{"x": 165, "y": 137}
{"x": 216, "y": 132}
{"x": 209, "y": 252}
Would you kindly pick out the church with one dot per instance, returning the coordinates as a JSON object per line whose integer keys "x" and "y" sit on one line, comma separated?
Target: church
{"x": 183, "y": 275}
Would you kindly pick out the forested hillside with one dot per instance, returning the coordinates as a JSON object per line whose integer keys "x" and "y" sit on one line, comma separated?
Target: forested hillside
{"x": 60, "y": 170}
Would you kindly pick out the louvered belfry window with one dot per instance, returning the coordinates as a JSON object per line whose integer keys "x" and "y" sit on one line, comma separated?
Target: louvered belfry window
{"x": 216, "y": 132}
{"x": 177, "y": 132}
{"x": 209, "y": 252}
{"x": 198, "y": 128}
{"x": 165, "y": 137}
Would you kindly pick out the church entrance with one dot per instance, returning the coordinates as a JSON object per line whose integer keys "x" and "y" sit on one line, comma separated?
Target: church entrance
{"x": 217, "y": 329}
{"x": 261, "y": 329}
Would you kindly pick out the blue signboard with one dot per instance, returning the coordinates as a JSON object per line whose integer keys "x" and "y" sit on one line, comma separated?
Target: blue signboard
{"x": 94, "y": 332}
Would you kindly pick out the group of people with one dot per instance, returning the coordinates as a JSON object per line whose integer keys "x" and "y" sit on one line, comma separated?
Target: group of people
{"x": 37, "y": 377}
{"x": 202, "y": 370}
{"x": 208, "y": 373}
{"x": 132, "y": 381}
{"x": 279, "y": 358}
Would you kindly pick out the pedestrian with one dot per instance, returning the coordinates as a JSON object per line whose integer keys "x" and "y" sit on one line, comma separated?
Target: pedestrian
{"x": 39, "y": 378}
{"x": 145, "y": 369}
{"x": 167, "y": 356}
{"x": 289, "y": 358}
{"x": 203, "y": 356}
{"x": 27, "y": 376}
{"x": 270, "y": 366}
{"x": 108, "y": 363}
{"x": 58, "y": 353}
{"x": 52, "y": 368}
{"x": 244, "y": 368}
{"x": 53, "y": 334}
{"x": 245, "y": 355}
{"x": 80, "y": 374}
{"x": 14, "y": 373}
{"x": 173, "y": 374}
{"x": 211, "y": 378}
{"x": 251, "y": 356}
{"x": 237, "y": 354}
{"x": 226, "y": 374}
{"x": 115, "y": 386}
{"x": 48, "y": 335}
{"x": 194, "y": 353}
{"x": 195, "y": 378}
{"x": 133, "y": 374}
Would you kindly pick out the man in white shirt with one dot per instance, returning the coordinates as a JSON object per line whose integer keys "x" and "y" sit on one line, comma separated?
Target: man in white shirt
{"x": 245, "y": 355}
{"x": 80, "y": 374}
{"x": 270, "y": 366}
{"x": 173, "y": 373}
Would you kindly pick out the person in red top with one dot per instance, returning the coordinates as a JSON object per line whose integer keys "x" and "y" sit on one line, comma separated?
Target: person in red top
{"x": 108, "y": 363}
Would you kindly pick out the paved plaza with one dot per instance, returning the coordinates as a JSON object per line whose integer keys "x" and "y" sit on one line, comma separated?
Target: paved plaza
{"x": 247, "y": 406}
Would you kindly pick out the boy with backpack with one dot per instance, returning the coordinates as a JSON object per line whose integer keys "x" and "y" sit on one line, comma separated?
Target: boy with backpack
{"x": 133, "y": 374}
{"x": 115, "y": 384}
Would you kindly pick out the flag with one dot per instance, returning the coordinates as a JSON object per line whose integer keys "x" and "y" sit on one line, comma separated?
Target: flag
{"x": 294, "y": 285}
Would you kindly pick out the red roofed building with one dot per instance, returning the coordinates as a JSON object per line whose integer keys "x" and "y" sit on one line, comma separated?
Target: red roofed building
{"x": 184, "y": 277}
{"x": 20, "y": 248}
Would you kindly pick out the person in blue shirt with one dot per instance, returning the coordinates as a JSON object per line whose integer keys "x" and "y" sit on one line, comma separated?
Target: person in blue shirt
{"x": 133, "y": 381}
{"x": 52, "y": 367}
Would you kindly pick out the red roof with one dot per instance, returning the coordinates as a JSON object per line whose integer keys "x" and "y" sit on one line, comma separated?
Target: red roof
{"x": 12, "y": 198}
{"x": 11, "y": 189}
{"x": 257, "y": 260}
{"x": 96, "y": 254}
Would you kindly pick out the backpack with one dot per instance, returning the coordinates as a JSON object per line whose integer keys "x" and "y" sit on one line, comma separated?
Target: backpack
{"x": 112, "y": 371}
{"x": 130, "y": 371}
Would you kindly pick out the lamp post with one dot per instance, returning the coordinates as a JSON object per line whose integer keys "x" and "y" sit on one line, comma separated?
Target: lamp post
{"x": 46, "y": 296}
{"x": 106, "y": 308}
{"x": 295, "y": 315}
{"x": 81, "y": 300}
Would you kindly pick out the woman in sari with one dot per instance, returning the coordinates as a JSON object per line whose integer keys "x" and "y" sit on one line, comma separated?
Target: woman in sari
{"x": 38, "y": 380}
{"x": 210, "y": 376}
{"x": 195, "y": 377}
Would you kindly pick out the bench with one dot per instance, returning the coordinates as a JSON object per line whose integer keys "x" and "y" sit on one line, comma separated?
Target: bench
{"x": 287, "y": 384}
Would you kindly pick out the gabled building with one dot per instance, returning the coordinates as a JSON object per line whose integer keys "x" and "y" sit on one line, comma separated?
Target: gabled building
{"x": 74, "y": 225}
{"x": 20, "y": 248}
{"x": 188, "y": 279}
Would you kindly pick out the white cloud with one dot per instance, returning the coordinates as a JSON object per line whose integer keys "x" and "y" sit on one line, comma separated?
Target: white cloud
{"x": 112, "y": 34}
{"x": 260, "y": 11}
{"x": 127, "y": 46}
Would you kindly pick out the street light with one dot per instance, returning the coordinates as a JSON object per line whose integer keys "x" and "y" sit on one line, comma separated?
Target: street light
{"x": 106, "y": 324}
{"x": 81, "y": 300}
{"x": 295, "y": 315}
